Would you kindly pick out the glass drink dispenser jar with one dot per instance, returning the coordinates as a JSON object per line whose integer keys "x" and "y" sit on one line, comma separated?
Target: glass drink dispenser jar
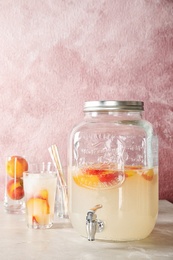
{"x": 113, "y": 172}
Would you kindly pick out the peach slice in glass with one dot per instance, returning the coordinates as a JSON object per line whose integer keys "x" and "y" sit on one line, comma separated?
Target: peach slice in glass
{"x": 43, "y": 194}
{"x": 38, "y": 208}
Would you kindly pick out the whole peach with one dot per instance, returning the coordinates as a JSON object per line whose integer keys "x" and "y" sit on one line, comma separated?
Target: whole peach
{"x": 15, "y": 166}
{"x": 15, "y": 189}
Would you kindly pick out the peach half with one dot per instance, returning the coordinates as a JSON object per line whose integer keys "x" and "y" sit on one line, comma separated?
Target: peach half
{"x": 15, "y": 166}
{"x": 15, "y": 189}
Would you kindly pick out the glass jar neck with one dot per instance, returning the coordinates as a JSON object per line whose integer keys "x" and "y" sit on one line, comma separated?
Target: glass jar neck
{"x": 114, "y": 115}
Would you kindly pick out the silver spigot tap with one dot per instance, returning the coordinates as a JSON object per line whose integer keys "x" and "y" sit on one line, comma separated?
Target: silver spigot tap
{"x": 93, "y": 224}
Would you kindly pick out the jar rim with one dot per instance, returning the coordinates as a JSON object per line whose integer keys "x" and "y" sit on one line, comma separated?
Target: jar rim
{"x": 113, "y": 105}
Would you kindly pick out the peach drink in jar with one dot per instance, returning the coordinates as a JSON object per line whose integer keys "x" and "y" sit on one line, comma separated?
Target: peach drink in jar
{"x": 113, "y": 162}
{"x": 129, "y": 199}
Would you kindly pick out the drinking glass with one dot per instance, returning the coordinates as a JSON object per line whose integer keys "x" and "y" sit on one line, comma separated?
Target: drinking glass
{"x": 40, "y": 193}
{"x": 61, "y": 205}
{"x": 14, "y": 193}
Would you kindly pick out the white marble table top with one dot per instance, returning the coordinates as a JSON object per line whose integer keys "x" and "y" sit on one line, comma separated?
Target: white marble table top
{"x": 62, "y": 242}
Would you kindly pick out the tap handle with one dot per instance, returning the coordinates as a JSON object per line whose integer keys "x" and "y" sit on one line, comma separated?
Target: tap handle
{"x": 98, "y": 206}
{"x": 92, "y": 224}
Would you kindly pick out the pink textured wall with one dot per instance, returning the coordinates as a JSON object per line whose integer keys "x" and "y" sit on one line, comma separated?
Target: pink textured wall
{"x": 54, "y": 55}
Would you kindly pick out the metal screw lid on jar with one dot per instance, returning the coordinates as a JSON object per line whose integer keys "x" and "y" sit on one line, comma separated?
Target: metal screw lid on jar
{"x": 112, "y": 105}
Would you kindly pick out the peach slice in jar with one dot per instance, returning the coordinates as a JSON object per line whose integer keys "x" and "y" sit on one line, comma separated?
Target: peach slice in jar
{"x": 99, "y": 178}
{"x": 148, "y": 174}
{"x": 85, "y": 180}
{"x": 131, "y": 170}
